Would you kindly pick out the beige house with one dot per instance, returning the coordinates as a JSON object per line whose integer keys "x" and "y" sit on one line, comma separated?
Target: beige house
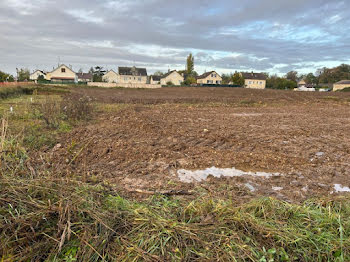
{"x": 35, "y": 75}
{"x": 341, "y": 85}
{"x": 62, "y": 74}
{"x": 209, "y": 78}
{"x": 132, "y": 75}
{"x": 111, "y": 77}
{"x": 172, "y": 77}
{"x": 302, "y": 83}
{"x": 254, "y": 80}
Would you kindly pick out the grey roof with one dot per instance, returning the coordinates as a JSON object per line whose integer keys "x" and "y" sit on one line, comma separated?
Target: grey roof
{"x": 84, "y": 76}
{"x": 41, "y": 71}
{"x": 156, "y": 78}
{"x": 205, "y": 75}
{"x": 167, "y": 74}
{"x": 344, "y": 82}
{"x": 255, "y": 76}
{"x": 132, "y": 71}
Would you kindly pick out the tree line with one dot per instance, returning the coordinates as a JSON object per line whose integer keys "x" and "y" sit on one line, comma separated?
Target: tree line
{"x": 23, "y": 75}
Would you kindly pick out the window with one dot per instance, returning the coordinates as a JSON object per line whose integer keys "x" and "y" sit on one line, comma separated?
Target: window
{"x": 260, "y": 82}
{"x": 63, "y": 70}
{"x": 125, "y": 78}
{"x": 250, "y": 82}
{"x": 140, "y": 79}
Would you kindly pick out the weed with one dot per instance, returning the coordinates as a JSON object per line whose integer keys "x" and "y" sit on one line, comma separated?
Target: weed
{"x": 77, "y": 107}
{"x": 6, "y": 92}
{"x": 331, "y": 98}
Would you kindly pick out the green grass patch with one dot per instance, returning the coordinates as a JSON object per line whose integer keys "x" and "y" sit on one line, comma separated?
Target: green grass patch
{"x": 332, "y": 98}
{"x": 6, "y": 92}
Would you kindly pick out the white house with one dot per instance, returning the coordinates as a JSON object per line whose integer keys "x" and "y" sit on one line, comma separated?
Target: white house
{"x": 35, "y": 75}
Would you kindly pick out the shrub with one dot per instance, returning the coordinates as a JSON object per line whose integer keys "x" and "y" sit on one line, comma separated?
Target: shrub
{"x": 346, "y": 89}
{"x": 50, "y": 111}
{"x": 71, "y": 108}
{"x": 77, "y": 107}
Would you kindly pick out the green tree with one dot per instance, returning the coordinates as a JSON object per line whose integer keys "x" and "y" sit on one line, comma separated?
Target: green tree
{"x": 10, "y": 78}
{"x": 158, "y": 73}
{"x": 41, "y": 78}
{"x": 23, "y": 74}
{"x": 98, "y": 73}
{"x": 237, "y": 79}
{"x": 190, "y": 64}
{"x": 190, "y": 80}
{"x": 276, "y": 82}
{"x": 293, "y": 76}
{"x": 311, "y": 79}
{"x": 4, "y": 77}
{"x": 226, "y": 78}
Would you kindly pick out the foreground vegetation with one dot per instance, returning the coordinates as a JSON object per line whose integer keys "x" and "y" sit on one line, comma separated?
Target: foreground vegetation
{"x": 49, "y": 218}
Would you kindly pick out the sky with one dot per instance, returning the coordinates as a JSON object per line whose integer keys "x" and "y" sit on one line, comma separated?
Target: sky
{"x": 274, "y": 36}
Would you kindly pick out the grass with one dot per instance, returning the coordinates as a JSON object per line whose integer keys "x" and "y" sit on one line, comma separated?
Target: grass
{"x": 45, "y": 217}
{"x": 6, "y": 92}
{"x": 59, "y": 219}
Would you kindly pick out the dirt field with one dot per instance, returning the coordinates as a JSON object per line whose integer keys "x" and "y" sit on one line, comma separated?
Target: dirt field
{"x": 142, "y": 144}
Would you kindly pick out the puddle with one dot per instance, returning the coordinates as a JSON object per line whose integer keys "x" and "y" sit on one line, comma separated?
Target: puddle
{"x": 339, "y": 188}
{"x": 250, "y": 187}
{"x": 189, "y": 176}
{"x": 277, "y": 188}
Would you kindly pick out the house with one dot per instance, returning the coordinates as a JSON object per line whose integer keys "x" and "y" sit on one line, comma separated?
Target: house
{"x": 132, "y": 75}
{"x": 84, "y": 77}
{"x": 173, "y": 77}
{"x": 254, "y": 80}
{"x": 62, "y": 74}
{"x": 302, "y": 83}
{"x": 154, "y": 80}
{"x": 35, "y": 75}
{"x": 303, "y": 86}
{"x": 111, "y": 77}
{"x": 341, "y": 85}
{"x": 211, "y": 78}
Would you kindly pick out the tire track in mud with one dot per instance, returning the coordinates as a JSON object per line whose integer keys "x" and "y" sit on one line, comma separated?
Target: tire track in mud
{"x": 144, "y": 146}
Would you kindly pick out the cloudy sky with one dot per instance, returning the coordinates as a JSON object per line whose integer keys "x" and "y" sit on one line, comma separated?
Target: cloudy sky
{"x": 273, "y": 36}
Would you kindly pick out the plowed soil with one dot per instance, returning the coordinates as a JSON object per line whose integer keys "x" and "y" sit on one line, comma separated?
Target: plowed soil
{"x": 303, "y": 136}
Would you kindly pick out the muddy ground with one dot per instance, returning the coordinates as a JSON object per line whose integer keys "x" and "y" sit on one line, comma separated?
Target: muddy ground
{"x": 305, "y": 137}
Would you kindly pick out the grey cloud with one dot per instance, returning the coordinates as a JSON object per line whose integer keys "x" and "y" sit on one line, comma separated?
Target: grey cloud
{"x": 48, "y": 30}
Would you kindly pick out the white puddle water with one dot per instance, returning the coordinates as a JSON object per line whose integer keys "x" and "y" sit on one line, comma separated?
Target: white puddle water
{"x": 277, "y": 188}
{"x": 188, "y": 176}
{"x": 339, "y": 188}
{"x": 250, "y": 187}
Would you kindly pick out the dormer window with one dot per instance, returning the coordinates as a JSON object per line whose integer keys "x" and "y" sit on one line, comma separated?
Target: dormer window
{"x": 63, "y": 70}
